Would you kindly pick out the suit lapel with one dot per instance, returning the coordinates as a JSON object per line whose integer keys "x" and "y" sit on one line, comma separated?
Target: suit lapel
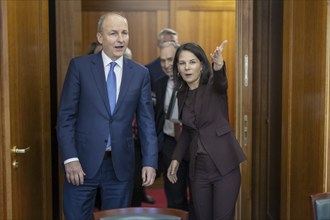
{"x": 98, "y": 73}
{"x": 125, "y": 81}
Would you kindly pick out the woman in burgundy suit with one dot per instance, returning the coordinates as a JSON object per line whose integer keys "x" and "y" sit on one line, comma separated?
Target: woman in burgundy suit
{"x": 215, "y": 154}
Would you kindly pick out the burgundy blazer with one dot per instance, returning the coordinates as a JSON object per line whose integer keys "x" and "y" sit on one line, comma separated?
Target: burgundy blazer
{"x": 212, "y": 127}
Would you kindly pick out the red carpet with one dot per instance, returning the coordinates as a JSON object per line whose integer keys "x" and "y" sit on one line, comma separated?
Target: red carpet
{"x": 158, "y": 195}
{"x": 157, "y": 192}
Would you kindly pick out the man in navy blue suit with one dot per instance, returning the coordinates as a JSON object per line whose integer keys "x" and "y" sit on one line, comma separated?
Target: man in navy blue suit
{"x": 96, "y": 142}
{"x": 155, "y": 70}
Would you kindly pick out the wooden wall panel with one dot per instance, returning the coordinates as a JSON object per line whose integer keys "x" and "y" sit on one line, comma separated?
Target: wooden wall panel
{"x": 145, "y": 19}
{"x": 304, "y": 99}
{"x": 207, "y": 23}
{"x": 124, "y": 5}
{"x": 68, "y": 36}
{"x": 143, "y": 29}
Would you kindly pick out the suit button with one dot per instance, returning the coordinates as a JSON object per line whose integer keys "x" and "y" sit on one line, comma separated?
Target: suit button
{"x": 105, "y": 141}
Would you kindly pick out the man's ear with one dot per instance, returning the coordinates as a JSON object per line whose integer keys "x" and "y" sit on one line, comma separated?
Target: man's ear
{"x": 99, "y": 37}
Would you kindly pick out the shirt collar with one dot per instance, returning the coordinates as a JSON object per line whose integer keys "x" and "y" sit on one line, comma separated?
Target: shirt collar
{"x": 107, "y": 60}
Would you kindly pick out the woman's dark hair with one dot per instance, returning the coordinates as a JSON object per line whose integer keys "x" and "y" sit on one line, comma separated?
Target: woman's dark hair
{"x": 180, "y": 84}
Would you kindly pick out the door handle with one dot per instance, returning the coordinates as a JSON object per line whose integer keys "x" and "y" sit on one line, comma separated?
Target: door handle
{"x": 16, "y": 150}
{"x": 246, "y": 70}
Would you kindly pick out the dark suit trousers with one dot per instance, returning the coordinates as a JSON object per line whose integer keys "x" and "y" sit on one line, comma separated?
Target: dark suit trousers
{"x": 78, "y": 201}
{"x": 214, "y": 195}
{"x": 176, "y": 194}
{"x": 138, "y": 189}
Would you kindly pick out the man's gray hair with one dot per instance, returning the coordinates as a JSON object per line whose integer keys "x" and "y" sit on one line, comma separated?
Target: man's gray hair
{"x": 103, "y": 17}
{"x": 166, "y": 31}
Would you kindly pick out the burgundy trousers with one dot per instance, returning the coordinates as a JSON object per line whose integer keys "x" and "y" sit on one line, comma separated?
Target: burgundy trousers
{"x": 214, "y": 196}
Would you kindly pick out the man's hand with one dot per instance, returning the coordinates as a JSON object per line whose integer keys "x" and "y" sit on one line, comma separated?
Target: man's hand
{"x": 148, "y": 176}
{"x": 74, "y": 173}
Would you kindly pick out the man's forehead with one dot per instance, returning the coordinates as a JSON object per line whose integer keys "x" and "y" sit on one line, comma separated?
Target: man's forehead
{"x": 116, "y": 22}
{"x": 169, "y": 37}
{"x": 119, "y": 30}
{"x": 166, "y": 57}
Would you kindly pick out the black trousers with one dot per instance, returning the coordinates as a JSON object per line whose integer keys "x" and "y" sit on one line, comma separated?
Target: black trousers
{"x": 177, "y": 194}
{"x": 214, "y": 195}
{"x": 138, "y": 189}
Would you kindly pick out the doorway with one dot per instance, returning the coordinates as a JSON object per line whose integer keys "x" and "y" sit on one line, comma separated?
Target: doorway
{"x": 254, "y": 84}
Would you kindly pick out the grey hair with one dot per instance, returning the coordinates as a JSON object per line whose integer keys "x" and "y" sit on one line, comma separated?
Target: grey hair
{"x": 166, "y": 31}
{"x": 103, "y": 17}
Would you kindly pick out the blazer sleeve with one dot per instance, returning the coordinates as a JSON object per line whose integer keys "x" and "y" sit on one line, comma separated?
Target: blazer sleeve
{"x": 68, "y": 109}
{"x": 146, "y": 126}
{"x": 219, "y": 80}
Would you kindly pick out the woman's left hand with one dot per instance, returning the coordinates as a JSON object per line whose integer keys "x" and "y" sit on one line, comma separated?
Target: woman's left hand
{"x": 216, "y": 56}
{"x": 172, "y": 170}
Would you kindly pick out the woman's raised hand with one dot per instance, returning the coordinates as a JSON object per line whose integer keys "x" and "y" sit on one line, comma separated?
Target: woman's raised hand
{"x": 216, "y": 56}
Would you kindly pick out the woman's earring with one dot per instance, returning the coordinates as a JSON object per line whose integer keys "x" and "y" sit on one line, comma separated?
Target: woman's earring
{"x": 179, "y": 74}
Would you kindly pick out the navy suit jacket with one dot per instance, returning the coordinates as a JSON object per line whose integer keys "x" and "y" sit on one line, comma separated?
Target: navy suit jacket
{"x": 155, "y": 70}
{"x": 84, "y": 118}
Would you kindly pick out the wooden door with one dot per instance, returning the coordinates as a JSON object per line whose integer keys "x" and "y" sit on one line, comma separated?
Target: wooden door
{"x": 305, "y": 105}
{"x": 267, "y": 90}
{"x": 244, "y": 87}
{"x": 25, "y": 111}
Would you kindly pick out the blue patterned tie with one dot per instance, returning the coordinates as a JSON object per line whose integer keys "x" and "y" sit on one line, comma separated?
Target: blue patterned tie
{"x": 111, "y": 85}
